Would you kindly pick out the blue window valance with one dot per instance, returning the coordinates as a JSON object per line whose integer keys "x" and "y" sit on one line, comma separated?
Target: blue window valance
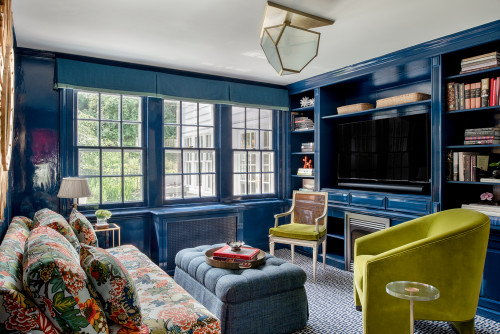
{"x": 108, "y": 78}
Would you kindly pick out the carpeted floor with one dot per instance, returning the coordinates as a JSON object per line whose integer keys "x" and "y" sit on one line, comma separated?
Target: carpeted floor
{"x": 340, "y": 316}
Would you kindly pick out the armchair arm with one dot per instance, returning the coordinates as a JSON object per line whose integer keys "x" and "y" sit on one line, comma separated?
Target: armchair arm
{"x": 316, "y": 220}
{"x": 279, "y": 215}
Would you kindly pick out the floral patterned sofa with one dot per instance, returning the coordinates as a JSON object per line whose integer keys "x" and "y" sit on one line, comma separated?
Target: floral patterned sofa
{"x": 166, "y": 307}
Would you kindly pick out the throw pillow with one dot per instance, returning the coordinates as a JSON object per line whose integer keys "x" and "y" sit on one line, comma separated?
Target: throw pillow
{"x": 55, "y": 281}
{"x": 46, "y": 217}
{"x": 114, "y": 284}
{"x": 82, "y": 228}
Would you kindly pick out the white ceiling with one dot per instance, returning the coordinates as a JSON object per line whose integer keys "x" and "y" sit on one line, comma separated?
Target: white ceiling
{"x": 222, "y": 36}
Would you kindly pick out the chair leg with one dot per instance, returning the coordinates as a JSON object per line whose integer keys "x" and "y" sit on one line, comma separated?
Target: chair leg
{"x": 463, "y": 327}
{"x": 315, "y": 261}
{"x": 271, "y": 247}
{"x": 324, "y": 253}
{"x": 292, "y": 249}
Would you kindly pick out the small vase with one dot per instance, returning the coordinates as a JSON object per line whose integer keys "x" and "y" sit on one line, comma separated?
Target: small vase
{"x": 101, "y": 223}
{"x": 495, "y": 174}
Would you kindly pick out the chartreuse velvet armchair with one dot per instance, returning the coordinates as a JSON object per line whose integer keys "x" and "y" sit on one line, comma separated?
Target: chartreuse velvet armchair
{"x": 445, "y": 249}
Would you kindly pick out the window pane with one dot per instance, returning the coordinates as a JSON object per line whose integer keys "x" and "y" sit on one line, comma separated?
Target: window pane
{"x": 173, "y": 162}
{"x": 189, "y": 136}
{"x": 206, "y": 137}
{"x": 191, "y": 186}
{"x": 253, "y": 162}
{"x": 132, "y": 162}
{"x": 88, "y": 163}
{"x": 190, "y": 113}
{"x": 240, "y": 162}
{"x": 266, "y": 140}
{"x": 132, "y": 189}
{"x": 238, "y": 117}
{"x": 268, "y": 161}
{"x": 252, "y": 118}
{"x": 110, "y": 107}
{"x": 111, "y": 162}
{"x": 267, "y": 183}
{"x": 253, "y": 184}
{"x": 207, "y": 161}
{"x": 88, "y": 133}
{"x": 87, "y": 105}
{"x": 266, "y": 119}
{"x": 171, "y": 112}
{"x": 173, "y": 186}
{"x": 252, "y": 139}
{"x": 206, "y": 114}
{"x": 95, "y": 197}
{"x": 131, "y": 134}
{"x": 111, "y": 189}
{"x": 239, "y": 184}
{"x": 207, "y": 185}
{"x": 131, "y": 108}
{"x": 110, "y": 134}
{"x": 171, "y": 137}
{"x": 190, "y": 161}
{"x": 238, "y": 139}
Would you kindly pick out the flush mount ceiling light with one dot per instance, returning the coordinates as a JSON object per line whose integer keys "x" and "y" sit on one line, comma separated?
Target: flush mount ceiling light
{"x": 285, "y": 37}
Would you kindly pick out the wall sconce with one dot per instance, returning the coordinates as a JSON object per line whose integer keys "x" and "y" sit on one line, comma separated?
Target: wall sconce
{"x": 287, "y": 42}
{"x": 74, "y": 187}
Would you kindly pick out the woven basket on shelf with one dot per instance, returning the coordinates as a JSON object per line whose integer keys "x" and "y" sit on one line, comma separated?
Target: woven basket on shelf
{"x": 401, "y": 99}
{"x": 354, "y": 107}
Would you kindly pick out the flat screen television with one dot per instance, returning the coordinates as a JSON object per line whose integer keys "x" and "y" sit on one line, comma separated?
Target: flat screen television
{"x": 385, "y": 154}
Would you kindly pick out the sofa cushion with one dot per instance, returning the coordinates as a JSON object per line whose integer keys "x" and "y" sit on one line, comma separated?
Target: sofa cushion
{"x": 82, "y": 228}
{"x": 25, "y": 220}
{"x": 114, "y": 284}
{"x": 46, "y": 217}
{"x": 52, "y": 276}
{"x": 297, "y": 231}
{"x": 166, "y": 306}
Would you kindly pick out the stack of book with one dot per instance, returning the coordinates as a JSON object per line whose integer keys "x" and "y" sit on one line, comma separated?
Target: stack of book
{"x": 481, "y": 62}
{"x": 302, "y": 123}
{"x": 245, "y": 254}
{"x": 305, "y": 171}
{"x": 489, "y": 210}
{"x": 482, "y": 136}
{"x": 307, "y": 147}
{"x": 461, "y": 96}
{"x": 466, "y": 166}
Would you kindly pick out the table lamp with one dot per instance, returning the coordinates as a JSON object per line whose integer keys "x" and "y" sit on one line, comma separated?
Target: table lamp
{"x": 74, "y": 187}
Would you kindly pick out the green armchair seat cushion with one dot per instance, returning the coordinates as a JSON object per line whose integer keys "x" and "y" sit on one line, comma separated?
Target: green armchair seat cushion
{"x": 297, "y": 231}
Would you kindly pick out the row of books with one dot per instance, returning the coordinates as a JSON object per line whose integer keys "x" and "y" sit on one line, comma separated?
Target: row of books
{"x": 303, "y": 123}
{"x": 243, "y": 255}
{"x": 466, "y": 166}
{"x": 307, "y": 147}
{"x": 482, "y": 136}
{"x": 461, "y": 96}
{"x": 481, "y": 62}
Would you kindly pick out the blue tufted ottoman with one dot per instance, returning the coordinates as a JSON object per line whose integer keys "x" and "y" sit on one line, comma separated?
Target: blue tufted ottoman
{"x": 267, "y": 299}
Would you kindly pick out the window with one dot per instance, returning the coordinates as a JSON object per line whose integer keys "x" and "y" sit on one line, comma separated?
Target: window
{"x": 253, "y": 154}
{"x": 109, "y": 146}
{"x": 189, "y": 151}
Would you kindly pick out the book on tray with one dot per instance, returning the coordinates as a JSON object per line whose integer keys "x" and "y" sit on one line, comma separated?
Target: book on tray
{"x": 245, "y": 253}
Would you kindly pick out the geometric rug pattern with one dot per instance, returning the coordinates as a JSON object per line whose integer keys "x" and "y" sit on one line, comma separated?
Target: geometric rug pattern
{"x": 331, "y": 305}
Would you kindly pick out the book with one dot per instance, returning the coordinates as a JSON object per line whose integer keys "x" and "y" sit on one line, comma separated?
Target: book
{"x": 493, "y": 54}
{"x": 230, "y": 259}
{"x": 449, "y": 166}
{"x": 450, "y": 96}
{"x": 467, "y": 96}
{"x": 485, "y": 92}
{"x": 480, "y": 137}
{"x": 482, "y": 162}
{"x": 455, "y": 166}
{"x": 305, "y": 171}
{"x": 245, "y": 253}
{"x": 482, "y": 142}
{"x": 478, "y": 95}
{"x": 464, "y": 170}
{"x": 493, "y": 84}
{"x": 473, "y": 168}
{"x": 489, "y": 180}
{"x": 473, "y": 95}
{"x": 457, "y": 95}
{"x": 461, "y": 94}
{"x": 489, "y": 210}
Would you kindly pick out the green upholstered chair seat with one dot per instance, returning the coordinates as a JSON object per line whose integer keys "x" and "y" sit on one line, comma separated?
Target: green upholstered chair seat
{"x": 297, "y": 231}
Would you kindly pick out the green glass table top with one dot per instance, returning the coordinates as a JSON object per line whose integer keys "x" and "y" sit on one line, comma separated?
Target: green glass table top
{"x": 412, "y": 290}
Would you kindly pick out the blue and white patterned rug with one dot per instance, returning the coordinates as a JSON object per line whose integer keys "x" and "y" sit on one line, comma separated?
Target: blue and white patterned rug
{"x": 340, "y": 316}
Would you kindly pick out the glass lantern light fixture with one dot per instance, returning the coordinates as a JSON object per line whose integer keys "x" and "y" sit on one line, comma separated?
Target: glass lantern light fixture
{"x": 286, "y": 40}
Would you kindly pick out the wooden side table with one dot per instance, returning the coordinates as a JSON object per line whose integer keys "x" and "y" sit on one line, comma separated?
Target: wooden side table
{"x": 113, "y": 228}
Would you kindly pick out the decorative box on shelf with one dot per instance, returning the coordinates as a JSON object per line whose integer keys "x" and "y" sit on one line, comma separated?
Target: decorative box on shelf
{"x": 402, "y": 99}
{"x": 354, "y": 107}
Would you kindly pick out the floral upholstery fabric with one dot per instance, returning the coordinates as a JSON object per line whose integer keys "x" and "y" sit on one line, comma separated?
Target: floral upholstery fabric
{"x": 52, "y": 276}
{"x": 82, "y": 228}
{"x": 114, "y": 284}
{"x": 17, "y": 312}
{"x": 25, "y": 220}
{"x": 46, "y": 217}
{"x": 166, "y": 306}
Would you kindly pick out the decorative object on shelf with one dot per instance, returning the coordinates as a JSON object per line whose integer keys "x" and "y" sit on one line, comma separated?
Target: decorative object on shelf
{"x": 486, "y": 197}
{"x": 307, "y": 147}
{"x": 307, "y": 185}
{"x": 302, "y": 123}
{"x": 74, "y": 187}
{"x": 286, "y": 40}
{"x": 495, "y": 173}
{"x": 354, "y": 107}
{"x": 307, "y": 163}
{"x": 306, "y": 102}
{"x": 235, "y": 245}
{"x": 102, "y": 217}
{"x": 402, "y": 99}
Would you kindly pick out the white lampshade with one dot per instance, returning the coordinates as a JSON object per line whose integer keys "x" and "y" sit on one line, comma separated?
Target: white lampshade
{"x": 74, "y": 187}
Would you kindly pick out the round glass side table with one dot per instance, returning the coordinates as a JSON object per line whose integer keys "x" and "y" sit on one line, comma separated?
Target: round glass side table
{"x": 412, "y": 291}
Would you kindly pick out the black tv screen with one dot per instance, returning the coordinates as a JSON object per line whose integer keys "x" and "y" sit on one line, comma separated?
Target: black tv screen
{"x": 391, "y": 150}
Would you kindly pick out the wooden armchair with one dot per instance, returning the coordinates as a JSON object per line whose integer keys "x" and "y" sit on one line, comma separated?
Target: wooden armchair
{"x": 307, "y": 226}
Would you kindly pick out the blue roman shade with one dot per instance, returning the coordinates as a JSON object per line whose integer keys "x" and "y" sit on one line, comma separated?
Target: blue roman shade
{"x": 116, "y": 79}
